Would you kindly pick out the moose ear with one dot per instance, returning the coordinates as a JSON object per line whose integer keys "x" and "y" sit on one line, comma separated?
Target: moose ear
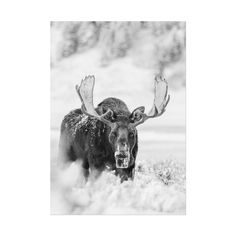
{"x": 137, "y": 114}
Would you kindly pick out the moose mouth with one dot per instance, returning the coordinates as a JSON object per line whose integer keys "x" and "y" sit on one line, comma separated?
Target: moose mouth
{"x": 122, "y": 160}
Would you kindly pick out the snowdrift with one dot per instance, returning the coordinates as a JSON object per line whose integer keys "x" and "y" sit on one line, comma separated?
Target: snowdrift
{"x": 158, "y": 188}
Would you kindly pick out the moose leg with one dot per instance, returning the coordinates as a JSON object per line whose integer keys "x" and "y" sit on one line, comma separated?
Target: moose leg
{"x": 85, "y": 169}
{"x": 95, "y": 172}
{"x": 82, "y": 173}
{"x": 125, "y": 174}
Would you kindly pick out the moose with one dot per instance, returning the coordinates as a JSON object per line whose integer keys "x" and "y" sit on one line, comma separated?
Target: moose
{"x": 106, "y": 137}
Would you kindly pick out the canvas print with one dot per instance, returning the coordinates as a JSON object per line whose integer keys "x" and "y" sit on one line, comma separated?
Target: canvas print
{"x": 118, "y": 117}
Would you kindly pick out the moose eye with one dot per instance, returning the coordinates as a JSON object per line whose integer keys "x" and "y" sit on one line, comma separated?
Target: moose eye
{"x": 131, "y": 134}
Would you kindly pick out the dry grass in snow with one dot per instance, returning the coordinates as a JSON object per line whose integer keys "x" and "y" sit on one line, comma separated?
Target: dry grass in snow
{"x": 158, "y": 188}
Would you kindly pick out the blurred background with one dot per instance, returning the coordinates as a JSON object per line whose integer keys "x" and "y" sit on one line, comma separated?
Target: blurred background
{"x": 124, "y": 57}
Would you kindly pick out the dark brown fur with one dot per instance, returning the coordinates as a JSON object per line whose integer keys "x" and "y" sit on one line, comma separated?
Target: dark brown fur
{"x": 86, "y": 139}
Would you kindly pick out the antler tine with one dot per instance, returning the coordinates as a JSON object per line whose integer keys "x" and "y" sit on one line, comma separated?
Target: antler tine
{"x": 85, "y": 92}
{"x": 161, "y": 99}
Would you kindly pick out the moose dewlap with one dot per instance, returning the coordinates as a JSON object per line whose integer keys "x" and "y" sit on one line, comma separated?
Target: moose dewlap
{"x": 106, "y": 135}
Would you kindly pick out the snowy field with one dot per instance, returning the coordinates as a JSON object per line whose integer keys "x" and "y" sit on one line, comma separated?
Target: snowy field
{"x": 159, "y": 184}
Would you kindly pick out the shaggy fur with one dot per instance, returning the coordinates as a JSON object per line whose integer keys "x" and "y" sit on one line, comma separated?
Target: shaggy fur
{"x": 86, "y": 139}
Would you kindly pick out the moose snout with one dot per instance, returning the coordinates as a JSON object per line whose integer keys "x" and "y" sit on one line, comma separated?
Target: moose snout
{"x": 122, "y": 147}
{"x": 122, "y": 155}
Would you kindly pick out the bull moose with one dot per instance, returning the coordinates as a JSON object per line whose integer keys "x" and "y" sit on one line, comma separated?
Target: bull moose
{"x": 106, "y": 137}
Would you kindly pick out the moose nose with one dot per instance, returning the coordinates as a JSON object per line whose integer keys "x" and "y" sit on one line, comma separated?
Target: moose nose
{"x": 123, "y": 147}
{"x": 123, "y": 144}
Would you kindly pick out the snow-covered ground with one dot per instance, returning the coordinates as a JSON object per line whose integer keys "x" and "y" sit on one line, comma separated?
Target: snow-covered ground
{"x": 159, "y": 185}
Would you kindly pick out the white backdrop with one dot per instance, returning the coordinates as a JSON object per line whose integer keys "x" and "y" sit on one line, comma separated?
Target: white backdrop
{"x": 25, "y": 99}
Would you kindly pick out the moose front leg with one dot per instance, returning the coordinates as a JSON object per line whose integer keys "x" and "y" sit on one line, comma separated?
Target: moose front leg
{"x": 125, "y": 173}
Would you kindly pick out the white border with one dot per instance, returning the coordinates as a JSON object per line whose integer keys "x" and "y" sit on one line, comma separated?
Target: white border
{"x": 25, "y": 117}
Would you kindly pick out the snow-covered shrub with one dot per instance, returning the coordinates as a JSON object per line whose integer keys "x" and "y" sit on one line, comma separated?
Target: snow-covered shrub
{"x": 157, "y": 188}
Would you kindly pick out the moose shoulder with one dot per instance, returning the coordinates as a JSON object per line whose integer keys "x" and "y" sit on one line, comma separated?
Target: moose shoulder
{"x": 106, "y": 137}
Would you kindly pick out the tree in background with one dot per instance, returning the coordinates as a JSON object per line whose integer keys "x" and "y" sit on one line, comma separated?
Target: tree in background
{"x": 155, "y": 45}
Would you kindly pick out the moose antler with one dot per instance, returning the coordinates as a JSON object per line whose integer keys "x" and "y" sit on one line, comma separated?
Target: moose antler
{"x": 85, "y": 92}
{"x": 160, "y": 101}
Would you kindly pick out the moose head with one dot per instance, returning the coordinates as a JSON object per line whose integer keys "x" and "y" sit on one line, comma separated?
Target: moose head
{"x": 122, "y": 133}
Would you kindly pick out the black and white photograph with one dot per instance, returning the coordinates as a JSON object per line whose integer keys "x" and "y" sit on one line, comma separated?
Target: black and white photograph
{"x": 118, "y": 117}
